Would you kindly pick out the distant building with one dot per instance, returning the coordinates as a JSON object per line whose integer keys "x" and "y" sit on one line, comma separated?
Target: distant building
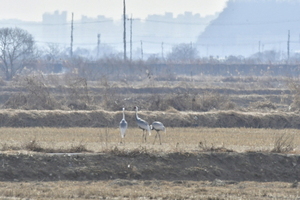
{"x": 55, "y": 27}
{"x": 157, "y": 33}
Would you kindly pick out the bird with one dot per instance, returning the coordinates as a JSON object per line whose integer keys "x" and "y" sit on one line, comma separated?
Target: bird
{"x": 123, "y": 126}
{"x": 142, "y": 124}
{"x": 158, "y": 126}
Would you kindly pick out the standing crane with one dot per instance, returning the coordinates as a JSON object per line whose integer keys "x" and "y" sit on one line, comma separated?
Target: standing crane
{"x": 123, "y": 126}
{"x": 142, "y": 124}
{"x": 158, "y": 126}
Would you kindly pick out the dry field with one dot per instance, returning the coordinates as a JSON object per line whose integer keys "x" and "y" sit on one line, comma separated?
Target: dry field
{"x": 148, "y": 189}
{"x": 59, "y": 135}
{"x": 191, "y": 163}
{"x": 174, "y": 140}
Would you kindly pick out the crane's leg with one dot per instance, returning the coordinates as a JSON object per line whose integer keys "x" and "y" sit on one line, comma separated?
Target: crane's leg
{"x": 122, "y": 140}
{"x": 159, "y": 137}
{"x": 155, "y": 137}
{"x": 144, "y": 136}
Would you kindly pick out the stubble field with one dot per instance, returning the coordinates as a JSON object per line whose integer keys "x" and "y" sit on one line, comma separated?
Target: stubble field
{"x": 191, "y": 163}
{"x": 228, "y": 137}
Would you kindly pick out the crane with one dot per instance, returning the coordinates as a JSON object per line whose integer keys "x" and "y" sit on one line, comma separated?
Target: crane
{"x": 123, "y": 126}
{"x": 158, "y": 126}
{"x": 142, "y": 124}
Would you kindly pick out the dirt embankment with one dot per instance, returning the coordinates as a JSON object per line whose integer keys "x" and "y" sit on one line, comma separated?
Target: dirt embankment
{"x": 58, "y": 118}
{"x": 232, "y": 166}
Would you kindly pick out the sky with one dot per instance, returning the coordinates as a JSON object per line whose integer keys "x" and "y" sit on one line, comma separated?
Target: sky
{"x": 32, "y": 10}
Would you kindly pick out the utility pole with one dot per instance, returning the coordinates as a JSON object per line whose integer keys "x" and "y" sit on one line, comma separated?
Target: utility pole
{"x": 258, "y": 46}
{"x": 131, "y": 38}
{"x": 142, "y": 53}
{"x": 98, "y": 44}
{"x": 288, "y": 46}
{"x": 71, "y": 49}
{"x": 162, "y": 51}
{"x": 124, "y": 28}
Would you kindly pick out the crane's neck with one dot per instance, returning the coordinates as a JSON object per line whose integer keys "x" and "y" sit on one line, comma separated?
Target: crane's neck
{"x": 136, "y": 115}
{"x": 123, "y": 114}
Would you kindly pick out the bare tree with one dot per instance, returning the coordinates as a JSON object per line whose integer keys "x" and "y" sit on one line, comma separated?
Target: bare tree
{"x": 183, "y": 53}
{"x": 54, "y": 52}
{"x": 16, "y": 50}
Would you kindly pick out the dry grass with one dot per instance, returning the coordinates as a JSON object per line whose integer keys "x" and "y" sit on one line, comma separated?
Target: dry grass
{"x": 152, "y": 189}
{"x": 175, "y": 140}
{"x": 199, "y": 93}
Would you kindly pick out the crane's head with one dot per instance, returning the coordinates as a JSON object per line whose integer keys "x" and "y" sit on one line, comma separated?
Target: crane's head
{"x": 136, "y": 108}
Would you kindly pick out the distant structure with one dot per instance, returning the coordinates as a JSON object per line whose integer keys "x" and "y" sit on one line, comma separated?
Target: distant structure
{"x": 55, "y": 28}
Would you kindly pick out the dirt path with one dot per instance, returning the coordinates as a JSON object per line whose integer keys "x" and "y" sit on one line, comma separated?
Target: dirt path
{"x": 259, "y": 167}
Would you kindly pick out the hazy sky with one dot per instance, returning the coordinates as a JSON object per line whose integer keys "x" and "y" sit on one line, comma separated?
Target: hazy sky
{"x": 32, "y": 10}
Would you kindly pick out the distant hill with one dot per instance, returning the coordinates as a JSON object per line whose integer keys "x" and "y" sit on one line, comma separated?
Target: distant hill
{"x": 246, "y": 27}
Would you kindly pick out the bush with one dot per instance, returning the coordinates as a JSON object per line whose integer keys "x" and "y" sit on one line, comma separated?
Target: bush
{"x": 77, "y": 93}
{"x": 36, "y": 96}
{"x": 283, "y": 144}
{"x": 33, "y": 146}
{"x": 263, "y": 105}
{"x": 294, "y": 87}
{"x": 188, "y": 101}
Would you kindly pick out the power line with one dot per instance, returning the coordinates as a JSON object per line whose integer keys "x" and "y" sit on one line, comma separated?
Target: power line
{"x": 54, "y": 24}
{"x": 226, "y": 23}
{"x": 221, "y": 24}
{"x": 170, "y": 44}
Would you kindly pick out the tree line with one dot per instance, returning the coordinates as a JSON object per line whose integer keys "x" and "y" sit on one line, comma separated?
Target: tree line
{"x": 19, "y": 52}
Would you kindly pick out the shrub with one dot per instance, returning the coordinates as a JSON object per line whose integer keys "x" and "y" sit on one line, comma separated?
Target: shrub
{"x": 263, "y": 105}
{"x": 33, "y": 146}
{"x": 283, "y": 144}
{"x": 294, "y": 87}
{"x": 36, "y": 96}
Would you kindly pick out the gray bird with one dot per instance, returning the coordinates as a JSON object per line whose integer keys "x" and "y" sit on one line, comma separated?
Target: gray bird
{"x": 142, "y": 124}
{"x": 158, "y": 126}
{"x": 123, "y": 126}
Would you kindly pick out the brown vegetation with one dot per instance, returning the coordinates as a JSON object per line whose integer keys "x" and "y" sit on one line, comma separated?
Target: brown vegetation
{"x": 69, "y": 140}
{"x": 192, "y": 163}
{"x": 199, "y": 93}
{"x": 170, "y": 118}
{"x": 59, "y": 135}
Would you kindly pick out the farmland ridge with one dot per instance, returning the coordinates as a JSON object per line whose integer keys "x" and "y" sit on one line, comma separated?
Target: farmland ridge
{"x": 260, "y": 167}
{"x": 100, "y": 118}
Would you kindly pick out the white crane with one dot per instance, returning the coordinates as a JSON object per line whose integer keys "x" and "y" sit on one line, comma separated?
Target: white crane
{"x": 123, "y": 126}
{"x": 142, "y": 124}
{"x": 158, "y": 126}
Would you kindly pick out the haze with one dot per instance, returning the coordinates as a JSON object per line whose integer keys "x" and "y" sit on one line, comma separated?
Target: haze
{"x": 217, "y": 28}
{"x": 32, "y": 10}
